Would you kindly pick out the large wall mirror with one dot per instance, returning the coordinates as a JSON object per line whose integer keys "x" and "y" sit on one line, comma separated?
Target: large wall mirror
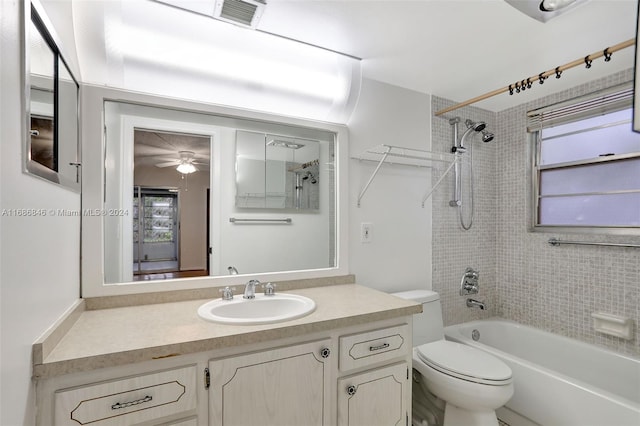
{"x": 172, "y": 181}
{"x": 52, "y": 141}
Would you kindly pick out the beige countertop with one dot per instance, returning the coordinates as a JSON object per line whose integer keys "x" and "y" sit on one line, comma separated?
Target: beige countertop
{"x": 125, "y": 335}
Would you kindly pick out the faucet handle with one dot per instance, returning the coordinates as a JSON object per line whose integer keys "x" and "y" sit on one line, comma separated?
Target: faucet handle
{"x": 227, "y": 292}
{"x": 269, "y": 289}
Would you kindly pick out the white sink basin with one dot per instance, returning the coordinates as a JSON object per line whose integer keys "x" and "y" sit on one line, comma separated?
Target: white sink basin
{"x": 261, "y": 310}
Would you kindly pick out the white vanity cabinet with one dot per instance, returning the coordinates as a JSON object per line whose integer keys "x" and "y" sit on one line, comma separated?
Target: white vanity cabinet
{"x": 350, "y": 375}
{"x": 285, "y": 386}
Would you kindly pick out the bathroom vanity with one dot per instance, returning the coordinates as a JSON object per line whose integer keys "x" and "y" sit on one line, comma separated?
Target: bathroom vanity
{"x": 348, "y": 362}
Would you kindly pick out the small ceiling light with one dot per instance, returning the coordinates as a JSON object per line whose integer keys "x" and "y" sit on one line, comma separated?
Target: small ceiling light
{"x": 544, "y": 10}
{"x": 186, "y": 168}
{"x": 284, "y": 144}
{"x": 553, "y": 5}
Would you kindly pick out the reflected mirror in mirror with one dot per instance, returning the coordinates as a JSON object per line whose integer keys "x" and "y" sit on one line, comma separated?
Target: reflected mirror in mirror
{"x": 52, "y": 142}
{"x": 171, "y": 179}
{"x": 277, "y": 172}
{"x": 41, "y": 103}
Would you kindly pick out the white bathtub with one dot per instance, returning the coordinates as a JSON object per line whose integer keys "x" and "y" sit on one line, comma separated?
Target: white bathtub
{"x": 557, "y": 380}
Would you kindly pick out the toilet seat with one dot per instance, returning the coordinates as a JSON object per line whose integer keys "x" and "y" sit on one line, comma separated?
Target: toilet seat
{"x": 465, "y": 362}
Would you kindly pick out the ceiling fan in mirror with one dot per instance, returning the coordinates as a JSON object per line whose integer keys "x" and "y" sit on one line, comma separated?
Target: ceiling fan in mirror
{"x": 185, "y": 164}
{"x": 185, "y": 152}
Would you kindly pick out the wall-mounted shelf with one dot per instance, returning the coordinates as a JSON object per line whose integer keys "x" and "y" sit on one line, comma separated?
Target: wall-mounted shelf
{"x": 389, "y": 154}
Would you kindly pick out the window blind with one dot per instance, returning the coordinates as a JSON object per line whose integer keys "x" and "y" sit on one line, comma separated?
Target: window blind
{"x": 598, "y": 103}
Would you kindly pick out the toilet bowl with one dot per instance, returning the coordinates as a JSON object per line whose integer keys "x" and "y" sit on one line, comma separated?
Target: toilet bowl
{"x": 472, "y": 383}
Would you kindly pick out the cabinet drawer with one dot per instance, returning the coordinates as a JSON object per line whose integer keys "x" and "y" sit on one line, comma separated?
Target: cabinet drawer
{"x": 128, "y": 401}
{"x": 362, "y": 349}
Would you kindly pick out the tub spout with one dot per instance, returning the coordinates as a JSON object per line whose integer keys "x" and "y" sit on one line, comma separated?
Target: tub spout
{"x": 472, "y": 303}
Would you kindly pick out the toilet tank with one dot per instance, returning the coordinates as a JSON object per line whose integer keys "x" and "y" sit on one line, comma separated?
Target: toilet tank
{"x": 427, "y": 326}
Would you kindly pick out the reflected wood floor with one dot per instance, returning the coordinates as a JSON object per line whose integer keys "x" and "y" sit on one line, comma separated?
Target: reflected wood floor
{"x": 169, "y": 275}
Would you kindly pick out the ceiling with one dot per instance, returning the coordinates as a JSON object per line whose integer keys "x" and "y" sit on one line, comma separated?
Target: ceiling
{"x": 460, "y": 49}
{"x": 457, "y": 49}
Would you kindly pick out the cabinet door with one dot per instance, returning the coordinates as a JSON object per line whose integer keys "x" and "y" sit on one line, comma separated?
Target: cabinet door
{"x": 375, "y": 397}
{"x": 284, "y": 386}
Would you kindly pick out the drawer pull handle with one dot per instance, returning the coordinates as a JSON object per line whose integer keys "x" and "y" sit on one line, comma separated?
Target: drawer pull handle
{"x": 377, "y": 348}
{"x": 119, "y": 405}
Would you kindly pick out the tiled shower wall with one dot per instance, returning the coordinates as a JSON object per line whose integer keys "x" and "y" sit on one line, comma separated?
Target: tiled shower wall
{"x": 454, "y": 249}
{"x": 522, "y": 277}
{"x": 557, "y": 288}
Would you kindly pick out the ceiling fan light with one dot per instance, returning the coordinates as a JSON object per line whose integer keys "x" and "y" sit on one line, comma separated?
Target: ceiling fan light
{"x": 186, "y": 168}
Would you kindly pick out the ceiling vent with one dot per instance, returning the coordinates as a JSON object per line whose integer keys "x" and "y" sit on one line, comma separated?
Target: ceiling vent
{"x": 246, "y": 13}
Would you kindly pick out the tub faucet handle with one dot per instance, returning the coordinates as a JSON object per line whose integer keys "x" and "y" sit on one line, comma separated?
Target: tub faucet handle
{"x": 469, "y": 282}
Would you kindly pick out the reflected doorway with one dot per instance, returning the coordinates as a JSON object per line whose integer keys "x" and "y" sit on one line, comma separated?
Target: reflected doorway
{"x": 171, "y": 182}
{"x": 155, "y": 230}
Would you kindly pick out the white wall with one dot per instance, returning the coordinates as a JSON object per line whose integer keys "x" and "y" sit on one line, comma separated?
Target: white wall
{"x": 39, "y": 267}
{"x": 399, "y": 257}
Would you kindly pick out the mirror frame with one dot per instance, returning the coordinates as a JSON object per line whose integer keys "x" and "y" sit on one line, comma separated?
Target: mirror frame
{"x": 93, "y": 285}
{"x": 35, "y": 13}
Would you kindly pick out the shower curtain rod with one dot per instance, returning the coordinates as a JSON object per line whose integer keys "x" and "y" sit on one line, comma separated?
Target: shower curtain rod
{"x": 526, "y": 83}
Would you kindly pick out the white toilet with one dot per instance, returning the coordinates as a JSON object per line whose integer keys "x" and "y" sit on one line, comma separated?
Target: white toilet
{"x": 471, "y": 383}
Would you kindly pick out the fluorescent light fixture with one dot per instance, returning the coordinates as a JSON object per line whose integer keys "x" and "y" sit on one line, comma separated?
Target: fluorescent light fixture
{"x": 224, "y": 64}
{"x": 186, "y": 168}
{"x": 315, "y": 77}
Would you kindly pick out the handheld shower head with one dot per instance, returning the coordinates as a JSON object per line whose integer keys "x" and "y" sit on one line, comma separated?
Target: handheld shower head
{"x": 487, "y": 136}
{"x": 478, "y": 127}
{"x": 310, "y": 176}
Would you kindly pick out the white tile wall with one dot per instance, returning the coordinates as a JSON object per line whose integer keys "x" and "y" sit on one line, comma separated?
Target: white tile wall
{"x": 523, "y": 278}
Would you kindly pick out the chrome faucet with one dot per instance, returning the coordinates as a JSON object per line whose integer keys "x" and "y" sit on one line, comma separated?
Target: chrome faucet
{"x": 250, "y": 289}
{"x": 472, "y": 303}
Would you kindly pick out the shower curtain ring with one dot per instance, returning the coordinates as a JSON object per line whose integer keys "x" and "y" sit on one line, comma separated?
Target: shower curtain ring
{"x": 523, "y": 85}
{"x": 558, "y": 72}
{"x": 607, "y": 55}
{"x": 587, "y": 62}
{"x": 529, "y": 83}
{"x": 511, "y": 89}
{"x": 541, "y": 78}
{"x": 517, "y": 87}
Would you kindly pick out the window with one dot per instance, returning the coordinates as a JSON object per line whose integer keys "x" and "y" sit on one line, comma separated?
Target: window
{"x": 587, "y": 163}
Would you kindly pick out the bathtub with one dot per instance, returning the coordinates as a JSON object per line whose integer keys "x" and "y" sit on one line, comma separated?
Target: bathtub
{"x": 557, "y": 380}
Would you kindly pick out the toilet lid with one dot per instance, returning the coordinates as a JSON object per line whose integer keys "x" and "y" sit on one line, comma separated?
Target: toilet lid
{"x": 465, "y": 362}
